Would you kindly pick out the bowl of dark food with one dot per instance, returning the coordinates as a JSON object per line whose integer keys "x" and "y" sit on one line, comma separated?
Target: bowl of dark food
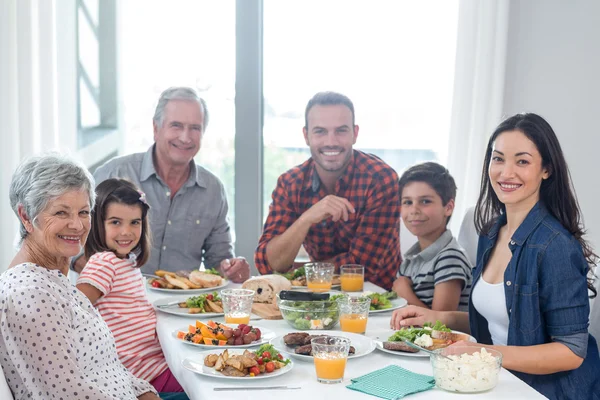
{"x": 309, "y": 314}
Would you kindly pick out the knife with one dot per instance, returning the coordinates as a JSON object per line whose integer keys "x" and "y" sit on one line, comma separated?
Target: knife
{"x": 171, "y": 304}
{"x": 414, "y": 346}
{"x": 235, "y": 388}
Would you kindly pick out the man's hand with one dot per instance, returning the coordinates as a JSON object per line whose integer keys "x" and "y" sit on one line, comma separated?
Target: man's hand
{"x": 329, "y": 206}
{"x": 235, "y": 269}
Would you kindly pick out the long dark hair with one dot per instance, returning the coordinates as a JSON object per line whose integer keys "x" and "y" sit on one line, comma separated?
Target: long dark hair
{"x": 556, "y": 192}
{"x": 124, "y": 192}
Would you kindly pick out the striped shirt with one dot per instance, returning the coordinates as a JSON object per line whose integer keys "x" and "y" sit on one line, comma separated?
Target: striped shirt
{"x": 443, "y": 261}
{"x": 127, "y": 312}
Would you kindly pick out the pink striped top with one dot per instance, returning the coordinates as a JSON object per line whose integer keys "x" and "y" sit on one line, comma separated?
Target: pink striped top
{"x": 127, "y": 312}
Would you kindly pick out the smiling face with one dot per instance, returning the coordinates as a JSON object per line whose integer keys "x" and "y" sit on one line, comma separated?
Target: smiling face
{"x": 62, "y": 228}
{"x": 423, "y": 212}
{"x": 178, "y": 138}
{"x": 330, "y": 136}
{"x": 123, "y": 227}
{"x": 516, "y": 170}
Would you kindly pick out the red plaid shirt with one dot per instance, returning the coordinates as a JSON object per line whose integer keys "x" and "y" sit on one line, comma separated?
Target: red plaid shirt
{"x": 370, "y": 237}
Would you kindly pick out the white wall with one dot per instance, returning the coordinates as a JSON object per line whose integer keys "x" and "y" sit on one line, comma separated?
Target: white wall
{"x": 553, "y": 69}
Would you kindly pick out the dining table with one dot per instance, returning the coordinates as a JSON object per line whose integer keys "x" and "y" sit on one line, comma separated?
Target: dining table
{"x": 303, "y": 375}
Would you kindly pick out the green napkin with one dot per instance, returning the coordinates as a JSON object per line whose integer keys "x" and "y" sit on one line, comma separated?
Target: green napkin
{"x": 392, "y": 382}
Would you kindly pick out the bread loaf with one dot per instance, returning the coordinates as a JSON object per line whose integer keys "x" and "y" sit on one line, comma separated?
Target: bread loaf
{"x": 267, "y": 287}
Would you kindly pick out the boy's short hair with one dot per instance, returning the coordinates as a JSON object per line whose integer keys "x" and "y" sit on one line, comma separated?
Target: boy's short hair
{"x": 435, "y": 176}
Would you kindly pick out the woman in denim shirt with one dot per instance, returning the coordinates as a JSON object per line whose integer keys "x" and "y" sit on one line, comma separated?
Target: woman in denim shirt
{"x": 530, "y": 286}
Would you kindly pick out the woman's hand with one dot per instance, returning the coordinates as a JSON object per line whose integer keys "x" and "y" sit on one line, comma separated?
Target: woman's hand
{"x": 412, "y": 316}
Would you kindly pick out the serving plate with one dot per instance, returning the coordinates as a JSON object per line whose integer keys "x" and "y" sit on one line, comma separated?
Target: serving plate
{"x": 362, "y": 344}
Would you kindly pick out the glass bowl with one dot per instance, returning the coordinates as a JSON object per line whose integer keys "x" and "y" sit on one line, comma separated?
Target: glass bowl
{"x": 473, "y": 369}
{"x": 306, "y": 315}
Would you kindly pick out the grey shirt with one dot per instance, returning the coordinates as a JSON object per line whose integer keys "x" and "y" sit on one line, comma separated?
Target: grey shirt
{"x": 187, "y": 230}
{"x": 442, "y": 261}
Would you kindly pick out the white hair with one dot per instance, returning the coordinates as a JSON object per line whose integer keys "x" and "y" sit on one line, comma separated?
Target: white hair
{"x": 41, "y": 179}
{"x": 178, "y": 93}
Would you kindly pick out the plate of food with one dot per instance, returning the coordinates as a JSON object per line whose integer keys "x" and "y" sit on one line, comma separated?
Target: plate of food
{"x": 297, "y": 278}
{"x": 186, "y": 281}
{"x": 430, "y": 336}
{"x": 297, "y": 344}
{"x": 380, "y": 302}
{"x": 266, "y": 362}
{"x": 205, "y": 305}
{"x": 215, "y": 334}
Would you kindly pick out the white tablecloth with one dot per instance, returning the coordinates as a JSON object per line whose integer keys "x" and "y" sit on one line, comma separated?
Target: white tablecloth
{"x": 303, "y": 373}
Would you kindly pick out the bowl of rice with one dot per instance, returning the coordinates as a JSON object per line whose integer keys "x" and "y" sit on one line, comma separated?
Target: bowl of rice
{"x": 469, "y": 369}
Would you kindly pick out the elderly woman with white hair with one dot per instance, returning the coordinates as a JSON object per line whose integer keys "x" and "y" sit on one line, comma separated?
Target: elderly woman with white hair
{"x": 53, "y": 342}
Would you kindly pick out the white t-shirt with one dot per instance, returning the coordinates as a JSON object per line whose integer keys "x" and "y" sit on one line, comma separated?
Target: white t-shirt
{"x": 490, "y": 301}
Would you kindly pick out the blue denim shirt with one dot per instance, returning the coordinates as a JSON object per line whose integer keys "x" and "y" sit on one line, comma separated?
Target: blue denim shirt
{"x": 546, "y": 296}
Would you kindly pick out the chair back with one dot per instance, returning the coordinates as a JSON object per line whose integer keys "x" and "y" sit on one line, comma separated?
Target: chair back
{"x": 467, "y": 236}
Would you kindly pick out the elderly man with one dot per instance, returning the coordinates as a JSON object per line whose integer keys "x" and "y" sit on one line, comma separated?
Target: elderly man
{"x": 188, "y": 214}
{"x": 341, "y": 204}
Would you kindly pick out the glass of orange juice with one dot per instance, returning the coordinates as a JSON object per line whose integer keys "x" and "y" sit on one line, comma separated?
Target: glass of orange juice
{"x": 237, "y": 305}
{"x": 354, "y": 313}
{"x": 352, "y": 277}
{"x": 319, "y": 276}
{"x": 330, "y": 354}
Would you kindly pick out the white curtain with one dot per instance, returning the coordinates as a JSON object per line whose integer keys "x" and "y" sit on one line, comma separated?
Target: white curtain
{"x": 478, "y": 94}
{"x": 37, "y": 103}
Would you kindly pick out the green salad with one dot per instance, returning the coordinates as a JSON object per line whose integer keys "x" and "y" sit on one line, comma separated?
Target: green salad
{"x": 200, "y": 301}
{"x": 212, "y": 271}
{"x": 305, "y": 315}
{"x": 379, "y": 301}
{"x": 295, "y": 274}
{"x": 412, "y": 333}
{"x": 274, "y": 354}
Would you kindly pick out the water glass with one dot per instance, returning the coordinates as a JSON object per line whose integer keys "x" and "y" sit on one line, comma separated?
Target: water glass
{"x": 330, "y": 354}
{"x": 237, "y": 305}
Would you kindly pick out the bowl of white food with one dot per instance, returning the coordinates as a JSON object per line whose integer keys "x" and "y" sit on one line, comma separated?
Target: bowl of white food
{"x": 468, "y": 369}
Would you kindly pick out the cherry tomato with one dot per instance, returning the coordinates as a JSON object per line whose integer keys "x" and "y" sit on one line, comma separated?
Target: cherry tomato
{"x": 260, "y": 361}
{"x": 155, "y": 284}
{"x": 210, "y": 297}
{"x": 280, "y": 356}
{"x": 266, "y": 355}
{"x": 254, "y": 370}
{"x": 270, "y": 367}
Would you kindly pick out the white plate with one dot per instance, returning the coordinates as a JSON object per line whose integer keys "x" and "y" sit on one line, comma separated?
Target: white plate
{"x": 196, "y": 364}
{"x": 379, "y": 345}
{"x": 188, "y": 291}
{"x": 265, "y": 336}
{"x": 182, "y": 312}
{"x": 362, "y": 344}
{"x": 396, "y": 304}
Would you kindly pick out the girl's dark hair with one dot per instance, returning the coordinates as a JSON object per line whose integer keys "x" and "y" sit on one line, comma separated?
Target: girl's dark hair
{"x": 435, "y": 176}
{"x": 556, "y": 192}
{"x": 124, "y": 192}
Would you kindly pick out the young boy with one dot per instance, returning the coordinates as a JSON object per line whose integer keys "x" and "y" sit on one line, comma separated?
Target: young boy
{"x": 435, "y": 273}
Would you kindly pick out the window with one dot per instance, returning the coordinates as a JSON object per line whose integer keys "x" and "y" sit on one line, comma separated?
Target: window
{"x": 395, "y": 60}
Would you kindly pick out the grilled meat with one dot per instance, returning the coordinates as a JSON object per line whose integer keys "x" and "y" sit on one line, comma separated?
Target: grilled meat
{"x": 296, "y": 338}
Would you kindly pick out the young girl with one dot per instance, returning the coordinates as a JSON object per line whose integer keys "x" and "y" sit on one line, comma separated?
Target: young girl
{"x": 117, "y": 246}
{"x": 530, "y": 289}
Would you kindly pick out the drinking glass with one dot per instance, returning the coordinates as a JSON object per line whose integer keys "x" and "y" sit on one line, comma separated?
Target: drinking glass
{"x": 354, "y": 313}
{"x": 319, "y": 276}
{"x": 352, "y": 277}
{"x": 330, "y": 354}
{"x": 237, "y": 305}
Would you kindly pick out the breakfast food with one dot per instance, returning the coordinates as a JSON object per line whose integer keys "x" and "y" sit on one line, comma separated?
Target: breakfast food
{"x": 265, "y": 360}
{"x": 301, "y": 342}
{"x": 185, "y": 280}
{"x": 217, "y": 334}
{"x": 266, "y": 287}
{"x": 430, "y": 337}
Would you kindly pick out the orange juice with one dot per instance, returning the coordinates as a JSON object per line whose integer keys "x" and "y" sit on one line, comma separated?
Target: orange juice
{"x": 356, "y": 323}
{"x": 318, "y": 286}
{"x": 352, "y": 282}
{"x": 237, "y": 318}
{"x": 330, "y": 368}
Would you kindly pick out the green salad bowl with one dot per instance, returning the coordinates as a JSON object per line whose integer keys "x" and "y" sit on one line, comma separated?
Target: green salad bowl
{"x": 307, "y": 315}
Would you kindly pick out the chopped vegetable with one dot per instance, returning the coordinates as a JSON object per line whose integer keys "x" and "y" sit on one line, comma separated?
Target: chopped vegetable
{"x": 412, "y": 333}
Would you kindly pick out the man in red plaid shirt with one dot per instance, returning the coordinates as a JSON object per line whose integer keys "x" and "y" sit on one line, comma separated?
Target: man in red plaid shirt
{"x": 342, "y": 204}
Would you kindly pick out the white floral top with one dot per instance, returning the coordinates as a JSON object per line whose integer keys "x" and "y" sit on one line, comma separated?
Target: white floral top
{"x": 53, "y": 342}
